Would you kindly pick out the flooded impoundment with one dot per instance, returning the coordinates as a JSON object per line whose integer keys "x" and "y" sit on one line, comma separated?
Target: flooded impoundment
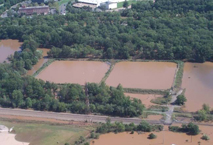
{"x": 163, "y": 138}
{"x": 145, "y": 98}
{"x": 78, "y": 72}
{"x": 40, "y": 62}
{"x": 198, "y": 81}
{"x": 8, "y": 47}
{"x": 145, "y": 75}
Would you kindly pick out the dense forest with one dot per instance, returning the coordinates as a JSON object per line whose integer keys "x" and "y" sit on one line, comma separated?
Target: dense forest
{"x": 28, "y": 92}
{"x": 6, "y": 4}
{"x": 165, "y": 30}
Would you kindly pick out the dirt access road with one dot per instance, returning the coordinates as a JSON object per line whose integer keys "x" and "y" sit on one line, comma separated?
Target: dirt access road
{"x": 70, "y": 116}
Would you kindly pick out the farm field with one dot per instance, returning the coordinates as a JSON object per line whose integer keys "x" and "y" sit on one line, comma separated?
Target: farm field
{"x": 78, "y": 72}
{"x": 198, "y": 81}
{"x": 144, "y": 75}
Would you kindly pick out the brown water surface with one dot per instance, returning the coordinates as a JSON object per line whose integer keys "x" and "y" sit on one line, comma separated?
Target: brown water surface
{"x": 8, "y": 47}
{"x": 40, "y": 62}
{"x": 78, "y": 72}
{"x": 145, "y": 75}
{"x": 198, "y": 81}
{"x": 164, "y": 137}
{"x": 145, "y": 98}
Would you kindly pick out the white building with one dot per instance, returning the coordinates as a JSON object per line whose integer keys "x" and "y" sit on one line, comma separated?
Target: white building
{"x": 100, "y": 2}
{"x": 111, "y": 5}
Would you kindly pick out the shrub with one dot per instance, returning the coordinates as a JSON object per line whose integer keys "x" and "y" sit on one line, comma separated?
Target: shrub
{"x": 205, "y": 137}
{"x": 181, "y": 99}
{"x": 152, "y": 136}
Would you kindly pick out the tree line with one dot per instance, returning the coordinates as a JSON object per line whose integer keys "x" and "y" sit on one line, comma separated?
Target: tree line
{"x": 164, "y": 30}
{"x": 6, "y": 4}
{"x": 27, "y": 92}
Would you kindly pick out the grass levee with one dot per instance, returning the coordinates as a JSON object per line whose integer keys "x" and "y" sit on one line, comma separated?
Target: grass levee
{"x": 145, "y": 91}
{"x": 43, "y": 67}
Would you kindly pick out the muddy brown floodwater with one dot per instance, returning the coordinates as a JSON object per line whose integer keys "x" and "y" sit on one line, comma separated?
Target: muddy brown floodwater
{"x": 145, "y": 98}
{"x": 198, "y": 81}
{"x": 164, "y": 137}
{"x": 40, "y": 62}
{"x": 145, "y": 75}
{"x": 78, "y": 72}
{"x": 8, "y": 47}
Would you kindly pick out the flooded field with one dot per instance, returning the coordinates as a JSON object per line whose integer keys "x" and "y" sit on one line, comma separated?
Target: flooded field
{"x": 40, "y": 62}
{"x": 145, "y": 75}
{"x": 165, "y": 137}
{"x": 145, "y": 98}
{"x": 8, "y": 47}
{"x": 198, "y": 81}
{"x": 78, "y": 72}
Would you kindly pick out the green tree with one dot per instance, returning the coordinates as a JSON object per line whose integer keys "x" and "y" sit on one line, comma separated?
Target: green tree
{"x": 28, "y": 103}
{"x": 181, "y": 99}
{"x": 202, "y": 115}
{"x": 152, "y": 136}
{"x": 125, "y": 4}
{"x": 206, "y": 108}
{"x": 193, "y": 129}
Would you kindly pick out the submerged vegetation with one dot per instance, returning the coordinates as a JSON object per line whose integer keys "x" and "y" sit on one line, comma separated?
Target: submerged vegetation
{"x": 165, "y": 30}
{"x": 190, "y": 128}
{"x": 28, "y": 92}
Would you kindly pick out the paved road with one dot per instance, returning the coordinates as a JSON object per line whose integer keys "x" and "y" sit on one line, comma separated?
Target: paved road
{"x": 69, "y": 116}
{"x": 171, "y": 107}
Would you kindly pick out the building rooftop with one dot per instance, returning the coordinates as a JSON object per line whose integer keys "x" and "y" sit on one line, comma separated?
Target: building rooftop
{"x": 35, "y": 7}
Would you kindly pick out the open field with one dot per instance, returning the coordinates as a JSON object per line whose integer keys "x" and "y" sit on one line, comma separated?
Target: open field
{"x": 164, "y": 137}
{"x": 198, "y": 81}
{"x": 145, "y": 75}
{"x": 78, "y": 72}
{"x": 8, "y": 47}
{"x": 38, "y": 133}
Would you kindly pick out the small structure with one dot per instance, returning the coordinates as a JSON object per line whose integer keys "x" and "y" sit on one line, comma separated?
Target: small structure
{"x": 38, "y": 1}
{"x": 31, "y": 10}
{"x": 81, "y": 5}
{"x": 111, "y": 5}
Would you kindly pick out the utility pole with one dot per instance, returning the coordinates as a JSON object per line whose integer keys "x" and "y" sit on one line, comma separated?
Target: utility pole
{"x": 87, "y": 98}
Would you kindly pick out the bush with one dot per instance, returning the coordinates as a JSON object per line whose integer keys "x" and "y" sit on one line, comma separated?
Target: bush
{"x": 205, "y": 137}
{"x": 181, "y": 99}
{"x": 190, "y": 128}
{"x": 152, "y": 136}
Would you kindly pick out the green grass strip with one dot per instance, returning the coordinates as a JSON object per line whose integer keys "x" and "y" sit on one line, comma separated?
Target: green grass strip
{"x": 179, "y": 75}
{"x": 43, "y": 67}
{"x": 145, "y": 91}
